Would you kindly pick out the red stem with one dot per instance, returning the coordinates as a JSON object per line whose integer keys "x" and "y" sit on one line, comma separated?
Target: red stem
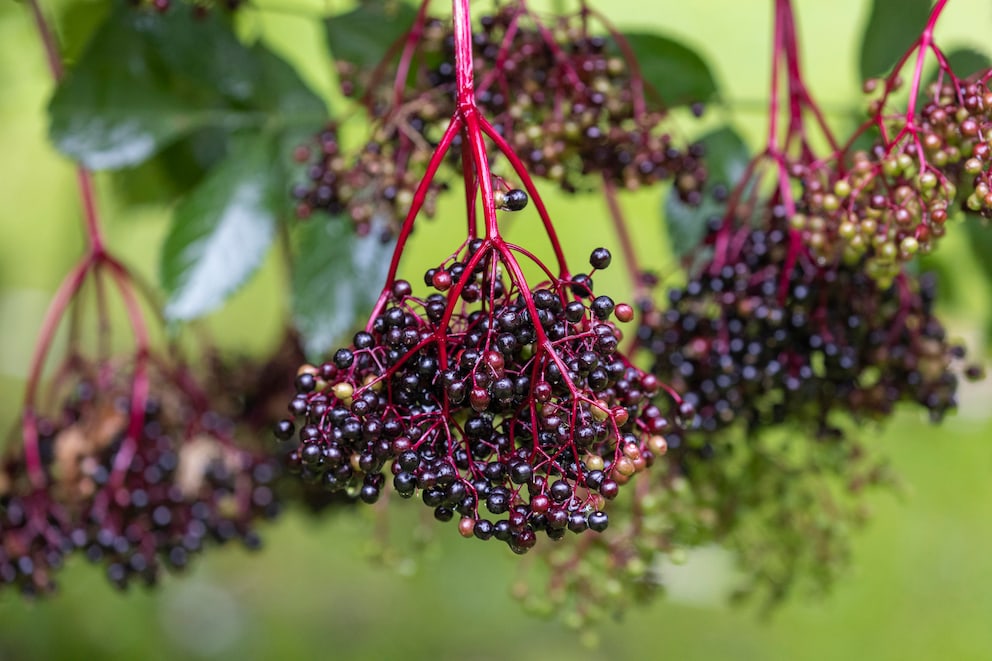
{"x": 454, "y": 126}
{"x": 56, "y": 310}
{"x": 96, "y": 256}
{"x": 923, "y": 44}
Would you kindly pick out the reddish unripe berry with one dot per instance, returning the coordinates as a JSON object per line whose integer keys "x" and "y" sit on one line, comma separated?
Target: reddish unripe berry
{"x": 623, "y": 312}
{"x": 441, "y": 280}
{"x": 540, "y": 503}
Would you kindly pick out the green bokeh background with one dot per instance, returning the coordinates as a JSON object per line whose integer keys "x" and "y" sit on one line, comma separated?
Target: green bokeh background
{"x": 921, "y": 583}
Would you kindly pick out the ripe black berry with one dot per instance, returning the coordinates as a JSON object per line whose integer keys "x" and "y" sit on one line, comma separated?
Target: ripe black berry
{"x": 514, "y": 200}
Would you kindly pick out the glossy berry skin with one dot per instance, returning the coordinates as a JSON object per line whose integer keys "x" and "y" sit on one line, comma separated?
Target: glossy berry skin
{"x": 481, "y": 407}
{"x": 515, "y": 200}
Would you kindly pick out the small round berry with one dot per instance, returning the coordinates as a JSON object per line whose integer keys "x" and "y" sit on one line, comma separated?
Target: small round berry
{"x": 502, "y": 530}
{"x": 441, "y": 280}
{"x": 369, "y": 494}
{"x": 560, "y": 491}
{"x": 602, "y": 307}
{"x": 405, "y": 484}
{"x": 402, "y": 289}
{"x": 609, "y": 489}
{"x": 540, "y": 503}
{"x": 305, "y": 383}
{"x": 284, "y": 430}
{"x": 523, "y": 541}
{"x": 520, "y": 473}
{"x": 623, "y": 312}
{"x": 577, "y": 522}
{"x": 598, "y": 521}
{"x": 483, "y": 529}
{"x": 600, "y": 258}
{"x": 514, "y": 200}
{"x": 582, "y": 285}
{"x": 344, "y": 358}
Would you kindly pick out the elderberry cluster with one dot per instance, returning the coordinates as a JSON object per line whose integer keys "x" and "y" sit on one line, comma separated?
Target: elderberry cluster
{"x": 748, "y": 342}
{"x": 567, "y": 100}
{"x": 890, "y": 202}
{"x": 570, "y": 104}
{"x": 373, "y": 187}
{"x": 131, "y": 503}
{"x": 510, "y": 408}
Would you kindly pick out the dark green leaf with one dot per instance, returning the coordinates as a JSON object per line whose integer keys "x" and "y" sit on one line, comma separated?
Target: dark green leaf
{"x": 363, "y": 35}
{"x": 726, "y": 158}
{"x": 892, "y": 27}
{"x": 337, "y": 277}
{"x": 147, "y": 79}
{"x": 222, "y": 230}
{"x": 174, "y": 171}
{"x": 77, "y": 20}
{"x": 677, "y": 73}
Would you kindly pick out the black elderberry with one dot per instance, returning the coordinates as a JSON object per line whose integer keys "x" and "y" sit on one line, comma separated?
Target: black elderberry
{"x": 369, "y": 494}
{"x": 602, "y": 307}
{"x": 598, "y": 521}
{"x": 521, "y": 472}
{"x": 305, "y": 382}
{"x": 344, "y": 358}
{"x": 514, "y": 199}
{"x": 497, "y": 502}
{"x": 483, "y": 529}
{"x": 502, "y": 530}
{"x": 582, "y": 285}
{"x": 600, "y": 258}
{"x": 577, "y": 522}
{"x": 363, "y": 340}
{"x": 284, "y": 430}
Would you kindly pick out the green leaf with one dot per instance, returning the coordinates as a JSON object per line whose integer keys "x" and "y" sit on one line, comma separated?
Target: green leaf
{"x": 363, "y": 35}
{"x": 677, "y": 73}
{"x": 76, "y": 21}
{"x": 726, "y": 158}
{"x": 147, "y": 79}
{"x": 337, "y": 277}
{"x": 221, "y": 232}
{"x": 174, "y": 171}
{"x": 892, "y": 27}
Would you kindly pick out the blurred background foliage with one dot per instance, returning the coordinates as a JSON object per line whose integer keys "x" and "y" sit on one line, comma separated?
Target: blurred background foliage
{"x": 921, "y": 582}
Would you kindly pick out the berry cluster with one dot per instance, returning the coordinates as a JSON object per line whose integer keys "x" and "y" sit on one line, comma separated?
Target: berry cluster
{"x": 509, "y": 407}
{"x": 131, "y": 490}
{"x": 892, "y": 201}
{"x": 799, "y": 313}
{"x": 373, "y": 187}
{"x": 742, "y": 353}
{"x": 570, "y": 102}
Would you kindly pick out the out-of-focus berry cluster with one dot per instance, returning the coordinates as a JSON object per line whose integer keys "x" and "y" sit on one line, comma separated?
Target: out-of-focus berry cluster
{"x": 132, "y": 491}
{"x": 568, "y": 101}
